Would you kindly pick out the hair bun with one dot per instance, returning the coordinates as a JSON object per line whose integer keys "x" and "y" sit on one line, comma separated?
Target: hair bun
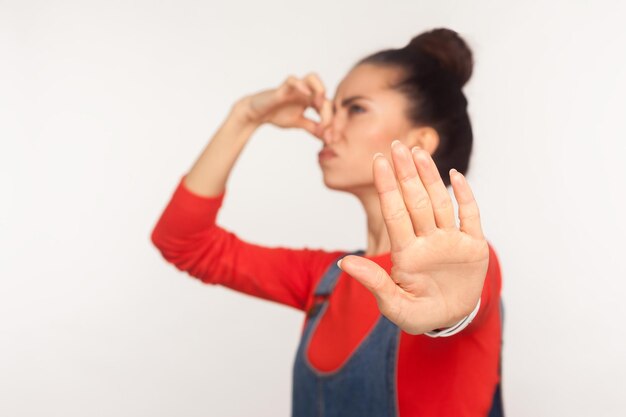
{"x": 449, "y": 49}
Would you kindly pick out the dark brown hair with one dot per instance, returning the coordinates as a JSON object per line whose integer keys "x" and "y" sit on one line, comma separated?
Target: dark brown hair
{"x": 435, "y": 66}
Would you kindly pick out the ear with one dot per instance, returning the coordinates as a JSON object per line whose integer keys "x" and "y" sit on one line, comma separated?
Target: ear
{"x": 425, "y": 137}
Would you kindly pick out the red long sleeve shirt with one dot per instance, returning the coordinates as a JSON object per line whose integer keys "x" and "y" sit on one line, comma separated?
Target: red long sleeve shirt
{"x": 445, "y": 376}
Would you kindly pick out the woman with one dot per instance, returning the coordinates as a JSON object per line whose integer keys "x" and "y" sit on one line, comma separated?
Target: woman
{"x": 395, "y": 135}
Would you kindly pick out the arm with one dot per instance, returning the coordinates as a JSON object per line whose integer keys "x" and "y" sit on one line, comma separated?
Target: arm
{"x": 188, "y": 237}
{"x": 490, "y": 296}
{"x": 187, "y": 234}
{"x": 210, "y": 172}
{"x": 283, "y": 106}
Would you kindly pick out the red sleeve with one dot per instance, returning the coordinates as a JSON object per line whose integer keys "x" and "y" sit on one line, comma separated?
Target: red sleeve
{"x": 490, "y": 297}
{"x": 188, "y": 237}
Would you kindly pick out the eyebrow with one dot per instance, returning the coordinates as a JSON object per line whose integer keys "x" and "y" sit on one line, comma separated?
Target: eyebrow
{"x": 347, "y": 101}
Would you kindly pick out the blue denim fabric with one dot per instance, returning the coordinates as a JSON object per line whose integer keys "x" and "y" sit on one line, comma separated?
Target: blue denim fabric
{"x": 365, "y": 385}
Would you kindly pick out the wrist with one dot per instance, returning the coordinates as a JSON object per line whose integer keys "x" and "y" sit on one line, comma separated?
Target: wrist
{"x": 456, "y": 328}
{"x": 240, "y": 113}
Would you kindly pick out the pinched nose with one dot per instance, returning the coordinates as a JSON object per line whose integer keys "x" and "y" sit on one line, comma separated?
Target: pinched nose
{"x": 327, "y": 135}
{"x": 324, "y": 133}
{"x": 332, "y": 132}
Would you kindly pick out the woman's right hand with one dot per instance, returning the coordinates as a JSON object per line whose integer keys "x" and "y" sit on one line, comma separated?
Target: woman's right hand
{"x": 284, "y": 106}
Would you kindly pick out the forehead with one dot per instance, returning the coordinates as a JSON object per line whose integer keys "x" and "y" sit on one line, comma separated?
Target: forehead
{"x": 367, "y": 80}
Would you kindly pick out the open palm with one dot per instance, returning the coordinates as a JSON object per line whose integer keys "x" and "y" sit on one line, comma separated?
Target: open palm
{"x": 438, "y": 268}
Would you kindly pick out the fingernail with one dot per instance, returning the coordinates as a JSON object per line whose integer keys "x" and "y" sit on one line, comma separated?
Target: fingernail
{"x": 376, "y": 155}
{"x": 339, "y": 263}
{"x": 415, "y": 149}
{"x": 396, "y": 142}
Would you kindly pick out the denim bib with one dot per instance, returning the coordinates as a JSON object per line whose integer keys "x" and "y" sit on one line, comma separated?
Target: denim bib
{"x": 365, "y": 384}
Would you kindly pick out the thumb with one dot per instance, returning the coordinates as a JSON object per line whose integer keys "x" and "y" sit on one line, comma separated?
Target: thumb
{"x": 373, "y": 277}
{"x": 308, "y": 125}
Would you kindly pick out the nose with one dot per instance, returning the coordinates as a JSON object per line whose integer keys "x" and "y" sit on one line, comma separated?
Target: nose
{"x": 327, "y": 135}
{"x": 332, "y": 132}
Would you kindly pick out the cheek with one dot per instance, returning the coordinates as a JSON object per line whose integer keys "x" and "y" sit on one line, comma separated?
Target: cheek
{"x": 372, "y": 135}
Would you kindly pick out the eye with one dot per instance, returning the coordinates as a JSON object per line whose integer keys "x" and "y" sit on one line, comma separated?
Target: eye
{"x": 355, "y": 107}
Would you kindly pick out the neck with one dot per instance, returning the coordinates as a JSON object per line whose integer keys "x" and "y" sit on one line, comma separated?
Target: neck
{"x": 377, "y": 238}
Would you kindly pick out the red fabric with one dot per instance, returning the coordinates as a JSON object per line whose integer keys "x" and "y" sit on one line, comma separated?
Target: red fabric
{"x": 445, "y": 376}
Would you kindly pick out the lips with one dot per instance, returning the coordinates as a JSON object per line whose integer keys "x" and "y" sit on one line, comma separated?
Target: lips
{"x": 326, "y": 153}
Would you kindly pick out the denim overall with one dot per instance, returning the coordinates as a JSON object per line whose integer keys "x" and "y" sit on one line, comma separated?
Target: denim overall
{"x": 365, "y": 385}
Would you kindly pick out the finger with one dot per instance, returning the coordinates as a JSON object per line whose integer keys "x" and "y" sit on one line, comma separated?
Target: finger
{"x": 322, "y": 105}
{"x": 301, "y": 87}
{"x": 416, "y": 198}
{"x": 395, "y": 215}
{"x": 307, "y": 95}
{"x": 469, "y": 215}
{"x": 315, "y": 84}
{"x": 326, "y": 113}
{"x": 373, "y": 277}
{"x": 437, "y": 191}
{"x": 308, "y": 125}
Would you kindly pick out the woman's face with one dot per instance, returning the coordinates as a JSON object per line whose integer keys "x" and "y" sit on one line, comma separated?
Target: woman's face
{"x": 367, "y": 117}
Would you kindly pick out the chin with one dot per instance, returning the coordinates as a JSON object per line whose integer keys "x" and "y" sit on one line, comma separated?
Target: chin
{"x": 343, "y": 183}
{"x": 333, "y": 186}
{"x": 333, "y": 182}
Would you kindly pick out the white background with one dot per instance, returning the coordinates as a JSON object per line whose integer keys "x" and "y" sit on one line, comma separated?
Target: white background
{"x": 105, "y": 105}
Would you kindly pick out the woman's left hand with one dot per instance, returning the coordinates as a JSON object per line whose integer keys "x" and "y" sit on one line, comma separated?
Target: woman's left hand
{"x": 438, "y": 268}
